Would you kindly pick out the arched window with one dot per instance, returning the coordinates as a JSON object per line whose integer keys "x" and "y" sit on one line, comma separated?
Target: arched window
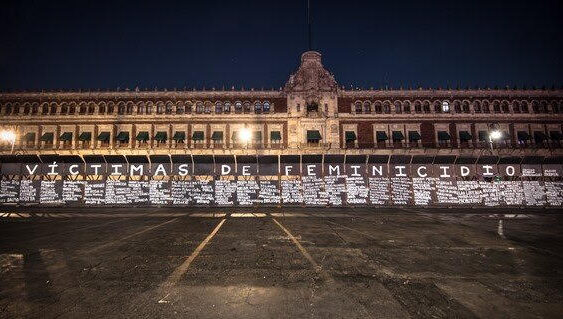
{"x": 398, "y": 108}
{"x": 465, "y": 106}
{"x": 120, "y": 108}
{"x": 543, "y": 107}
{"x": 247, "y": 107}
{"x": 257, "y": 107}
{"x": 407, "y": 107}
{"x": 496, "y": 107}
{"x": 53, "y": 109}
{"x": 82, "y": 109}
{"x": 130, "y": 108}
{"x": 238, "y": 107}
{"x": 168, "y": 109}
{"x": 445, "y": 106}
{"x": 457, "y": 107}
{"x": 525, "y": 108}
{"x": 535, "y": 107}
{"x": 227, "y": 107}
{"x": 504, "y": 107}
{"x": 358, "y": 107}
{"x": 417, "y": 107}
{"x": 386, "y": 107}
{"x": 140, "y": 108}
{"x": 111, "y": 107}
{"x": 266, "y": 107}
{"x": 377, "y": 107}
{"x": 218, "y": 107}
{"x": 64, "y": 109}
{"x": 207, "y": 107}
{"x": 477, "y": 107}
{"x": 180, "y": 108}
{"x": 101, "y": 109}
{"x": 426, "y": 107}
{"x": 516, "y": 107}
{"x": 44, "y": 109}
{"x": 91, "y": 108}
{"x": 367, "y": 107}
{"x": 189, "y": 107}
{"x": 486, "y": 108}
{"x": 159, "y": 108}
{"x": 437, "y": 107}
{"x": 199, "y": 107}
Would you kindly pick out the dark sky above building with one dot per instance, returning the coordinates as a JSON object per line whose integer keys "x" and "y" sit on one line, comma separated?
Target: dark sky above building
{"x": 79, "y": 45}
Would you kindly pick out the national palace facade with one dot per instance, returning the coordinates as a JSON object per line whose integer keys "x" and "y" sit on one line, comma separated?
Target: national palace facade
{"x": 311, "y": 114}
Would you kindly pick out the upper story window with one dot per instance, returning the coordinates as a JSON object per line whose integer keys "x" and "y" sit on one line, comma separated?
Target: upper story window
{"x": 426, "y": 107}
{"x": 465, "y": 107}
{"x": 367, "y": 107}
{"x": 129, "y": 108}
{"x": 53, "y": 110}
{"x": 207, "y": 107}
{"x": 159, "y": 108}
{"x": 398, "y": 108}
{"x": 238, "y": 107}
{"x": 168, "y": 108}
{"x": 64, "y": 108}
{"x": 258, "y": 107}
{"x": 140, "y": 109}
{"x": 227, "y": 107}
{"x": 417, "y": 107}
{"x": 358, "y": 107}
{"x": 496, "y": 107}
{"x": 486, "y": 108}
{"x": 199, "y": 107}
{"x": 377, "y": 107}
{"x": 189, "y": 107}
{"x": 407, "y": 107}
{"x": 91, "y": 108}
{"x": 266, "y": 107}
{"x": 477, "y": 107}
{"x": 457, "y": 107}
{"x": 44, "y": 109}
{"x": 386, "y": 107}
{"x": 102, "y": 109}
{"x": 525, "y": 108}
{"x": 218, "y": 107}
{"x": 516, "y": 107}
{"x": 445, "y": 106}
{"x": 247, "y": 107}
{"x": 180, "y": 109}
{"x": 121, "y": 109}
{"x": 504, "y": 107}
{"x": 34, "y": 109}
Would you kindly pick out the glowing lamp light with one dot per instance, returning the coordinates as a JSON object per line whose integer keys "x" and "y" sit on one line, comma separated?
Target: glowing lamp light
{"x": 9, "y": 136}
{"x": 244, "y": 135}
{"x": 495, "y": 135}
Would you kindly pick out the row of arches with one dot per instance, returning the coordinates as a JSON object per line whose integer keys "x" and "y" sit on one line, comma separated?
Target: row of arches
{"x": 458, "y": 106}
{"x": 140, "y": 107}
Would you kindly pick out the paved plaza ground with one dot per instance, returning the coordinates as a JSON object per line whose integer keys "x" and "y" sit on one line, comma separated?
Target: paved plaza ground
{"x": 280, "y": 263}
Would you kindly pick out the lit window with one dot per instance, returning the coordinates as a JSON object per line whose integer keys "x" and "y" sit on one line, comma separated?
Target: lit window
{"x": 445, "y": 107}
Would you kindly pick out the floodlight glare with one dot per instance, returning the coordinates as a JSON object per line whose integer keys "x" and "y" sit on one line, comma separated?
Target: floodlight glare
{"x": 495, "y": 135}
{"x": 244, "y": 135}
{"x": 8, "y": 136}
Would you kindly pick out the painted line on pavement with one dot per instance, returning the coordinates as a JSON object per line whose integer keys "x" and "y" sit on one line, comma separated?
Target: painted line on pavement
{"x": 175, "y": 277}
{"x": 111, "y": 243}
{"x": 318, "y": 268}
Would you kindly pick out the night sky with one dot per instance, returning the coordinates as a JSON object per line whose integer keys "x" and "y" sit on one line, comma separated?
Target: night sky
{"x": 72, "y": 45}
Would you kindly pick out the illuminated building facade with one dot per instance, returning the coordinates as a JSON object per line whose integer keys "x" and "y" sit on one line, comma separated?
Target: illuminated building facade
{"x": 311, "y": 114}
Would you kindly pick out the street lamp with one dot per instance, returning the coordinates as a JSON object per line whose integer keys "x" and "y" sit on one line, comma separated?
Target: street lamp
{"x": 494, "y": 134}
{"x": 8, "y": 136}
{"x": 245, "y": 135}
